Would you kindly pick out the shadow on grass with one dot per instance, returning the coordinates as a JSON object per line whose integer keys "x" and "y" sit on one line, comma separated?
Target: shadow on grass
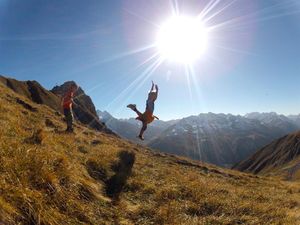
{"x": 122, "y": 169}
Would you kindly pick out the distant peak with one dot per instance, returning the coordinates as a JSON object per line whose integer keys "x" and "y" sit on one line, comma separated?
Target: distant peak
{"x": 66, "y": 84}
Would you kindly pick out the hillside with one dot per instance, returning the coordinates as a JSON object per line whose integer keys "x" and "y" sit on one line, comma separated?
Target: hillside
{"x": 90, "y": 177}
{"x": 281, "y": 157}
{"x": 33, "y": 91}
{"x": 84, "y": 109}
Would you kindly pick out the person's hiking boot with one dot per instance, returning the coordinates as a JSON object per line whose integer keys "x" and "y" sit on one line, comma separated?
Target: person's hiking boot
{"x": 141, "y": 137}
{"x": 132, "y": 107}
{"x": 70, "y": 130}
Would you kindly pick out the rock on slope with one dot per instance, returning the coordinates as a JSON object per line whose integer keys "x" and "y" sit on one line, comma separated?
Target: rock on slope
{"x": 90, "y": 177}
{"x": 84, "y": 110}
{"x": 282, "y": 155}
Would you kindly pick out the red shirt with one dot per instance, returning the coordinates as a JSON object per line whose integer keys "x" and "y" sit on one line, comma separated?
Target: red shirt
{"x": 68, "y": 100}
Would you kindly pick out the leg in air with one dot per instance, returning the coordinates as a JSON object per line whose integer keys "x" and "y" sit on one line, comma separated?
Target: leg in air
{"x": 133, "y": 108}
{"x": 141, "y": 135}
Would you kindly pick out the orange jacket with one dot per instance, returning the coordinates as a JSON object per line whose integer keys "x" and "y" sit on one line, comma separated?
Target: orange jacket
{"x": 147, "y": 117}
{"x": 68, "y": 100}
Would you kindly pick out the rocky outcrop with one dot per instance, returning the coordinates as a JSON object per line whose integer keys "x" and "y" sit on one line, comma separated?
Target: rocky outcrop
{"x": 84, "y": 109}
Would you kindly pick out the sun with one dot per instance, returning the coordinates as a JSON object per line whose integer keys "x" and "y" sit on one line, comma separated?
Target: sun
{"x": 182, "y": 39}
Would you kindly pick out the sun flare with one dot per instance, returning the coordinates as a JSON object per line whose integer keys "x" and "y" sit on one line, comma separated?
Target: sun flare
{"x": 182, "y": 39}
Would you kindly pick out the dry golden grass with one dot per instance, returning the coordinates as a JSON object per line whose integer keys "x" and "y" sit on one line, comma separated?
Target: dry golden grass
{"x": 50, "y": 177}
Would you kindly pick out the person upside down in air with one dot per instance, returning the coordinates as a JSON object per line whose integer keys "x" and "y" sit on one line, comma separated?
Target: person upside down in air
{"x": 146, "y": 117}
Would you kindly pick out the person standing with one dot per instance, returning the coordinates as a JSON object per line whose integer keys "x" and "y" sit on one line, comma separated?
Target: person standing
{"x": 67, "y": 103}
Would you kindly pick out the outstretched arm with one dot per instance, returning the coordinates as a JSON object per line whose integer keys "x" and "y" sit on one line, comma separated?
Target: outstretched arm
{"x": 152, "y": 87}
{"x": 156, "y": 93}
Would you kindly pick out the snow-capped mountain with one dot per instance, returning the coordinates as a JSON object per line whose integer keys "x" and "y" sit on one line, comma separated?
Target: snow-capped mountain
{"x": 295, "y": 119}
{"x": 221, "y": 139}
{"x": 276, "y": 121}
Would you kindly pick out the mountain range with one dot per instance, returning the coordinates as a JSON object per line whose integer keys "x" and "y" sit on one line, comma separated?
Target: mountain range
{"x": 221, "y": 139}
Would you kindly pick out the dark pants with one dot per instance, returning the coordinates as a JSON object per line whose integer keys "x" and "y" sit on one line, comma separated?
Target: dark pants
{"x": 69, "y": 118}
{"x": 140, "y": 117}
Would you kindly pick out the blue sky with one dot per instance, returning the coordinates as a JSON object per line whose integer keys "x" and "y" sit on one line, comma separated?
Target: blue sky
{"x": 251, "y": 63}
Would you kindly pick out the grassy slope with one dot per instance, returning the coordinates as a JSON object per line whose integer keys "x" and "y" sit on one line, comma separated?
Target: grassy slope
{"x": 281, "y": 158}
{"x": 289, "y": 171}
{"x": 48, "y": 177}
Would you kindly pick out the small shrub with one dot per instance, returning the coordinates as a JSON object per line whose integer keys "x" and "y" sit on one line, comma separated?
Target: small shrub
{"x": 49, "y": 123}
{"x": 37, "y": 137}
{"x": 82, "y": 149}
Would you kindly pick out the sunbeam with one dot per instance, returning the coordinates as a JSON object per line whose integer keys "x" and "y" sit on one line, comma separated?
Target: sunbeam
{"x": 175, "y": 7}
{"x": 251, "y": 18}
{"x": 129, "y": 53}
{"x": 140, "y": 17}
{"x": 189, "y": 85}
{"x": 193, "y": 75}
{"x": 130, "y": 92}
{"x": 235, "y": 50}
{"x": 132, "y": 87}
{"x": 145, "y": 76}
{"x": 219, "y": 11}
{"x": 210, "y": 6}
{"x": 156, "y": 54}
